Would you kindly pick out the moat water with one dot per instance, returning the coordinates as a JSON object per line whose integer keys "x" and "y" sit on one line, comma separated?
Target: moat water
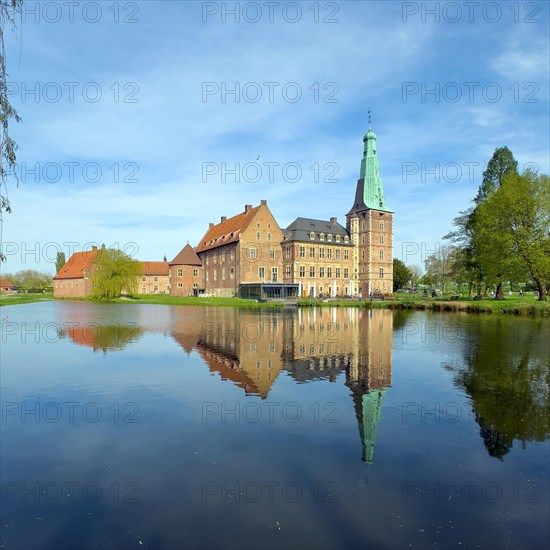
{"x": 127, "y": 426}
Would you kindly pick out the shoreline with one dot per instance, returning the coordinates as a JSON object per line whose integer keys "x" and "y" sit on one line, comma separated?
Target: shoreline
{"x": 509, "y": 306}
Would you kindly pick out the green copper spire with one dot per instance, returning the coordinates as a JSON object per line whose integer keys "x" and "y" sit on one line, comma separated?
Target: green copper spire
{"x": 373, "y": 191}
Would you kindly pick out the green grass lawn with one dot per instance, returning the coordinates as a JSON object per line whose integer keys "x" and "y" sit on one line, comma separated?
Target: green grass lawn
{"x": 525, "y": 305}
{"x": 14, "y": 299}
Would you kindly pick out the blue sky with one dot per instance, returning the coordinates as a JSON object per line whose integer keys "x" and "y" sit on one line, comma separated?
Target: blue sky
{"x": 166, "y": 139}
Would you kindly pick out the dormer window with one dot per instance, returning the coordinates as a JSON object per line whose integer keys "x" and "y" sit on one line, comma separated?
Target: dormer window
{"x": 329, "y": 238}
{"x": 322, "y": 237}
{"x": 337, "y": 238}
{"x": 346, "y": 239}
{"x": 312, "y": 235}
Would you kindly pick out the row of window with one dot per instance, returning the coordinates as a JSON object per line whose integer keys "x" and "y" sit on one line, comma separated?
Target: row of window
{"x": 223, "y": 274}
{"x": 337, "y": 238}
{"x": 364, "y": 226}
{"x": 312, "y": 272}
{"x": 363, "y": 239}
{"x": 319, "y": 252}
{"x": 253, "y": 253}
{"x": 274, "y": 274}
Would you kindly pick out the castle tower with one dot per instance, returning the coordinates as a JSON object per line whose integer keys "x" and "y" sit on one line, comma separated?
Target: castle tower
{"x": 370, "y": 225}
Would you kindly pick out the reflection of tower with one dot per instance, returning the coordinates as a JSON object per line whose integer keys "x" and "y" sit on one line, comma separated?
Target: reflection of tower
{"x": 370, "y": 378}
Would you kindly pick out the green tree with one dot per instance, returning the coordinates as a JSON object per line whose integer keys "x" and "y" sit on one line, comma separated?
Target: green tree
{"x": 59, "y": 261}
{"x": 439, "y": 266}
{"x": 8, "y": 147}
{"x": 114, "y": 272}
{"x": 513, "y": 229}
{"x": 501, "y": 164}
{"x": 28, "y": 279}
{"x": 401, "y": 274}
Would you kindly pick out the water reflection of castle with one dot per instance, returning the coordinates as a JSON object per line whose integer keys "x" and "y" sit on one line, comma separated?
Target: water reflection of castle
{"x": 251, "y": 349}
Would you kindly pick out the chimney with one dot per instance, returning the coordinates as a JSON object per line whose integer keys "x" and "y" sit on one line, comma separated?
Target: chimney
{"x": 247, "y": 208}
{"x": 210, "y": 225}
{"x": 223, "y": 218}
{"x": 263, "y": 202}
{"x": 333, "y": 221}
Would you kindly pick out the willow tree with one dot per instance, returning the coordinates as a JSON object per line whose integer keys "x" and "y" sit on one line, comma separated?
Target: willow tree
{"x": 8, "y": 147}
{"x": 513, "y": 229}
{"x": 113, "y": 273}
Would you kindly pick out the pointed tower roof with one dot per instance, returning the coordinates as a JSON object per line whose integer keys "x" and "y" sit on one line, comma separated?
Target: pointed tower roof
{"x": 370, "y": 191}
{"x": 186, "y": 256}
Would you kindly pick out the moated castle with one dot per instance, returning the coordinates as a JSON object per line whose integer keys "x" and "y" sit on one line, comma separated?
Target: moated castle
{"x": 250, "y": 256}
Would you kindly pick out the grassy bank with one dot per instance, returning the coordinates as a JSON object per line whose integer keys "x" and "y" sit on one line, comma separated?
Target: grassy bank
{"x": 192, "y": 301}
{"x": 513, "y": 305}
{"x": 15, "y": 299}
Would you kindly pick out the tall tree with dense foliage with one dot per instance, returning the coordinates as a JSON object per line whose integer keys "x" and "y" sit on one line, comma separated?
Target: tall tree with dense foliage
{"x": 8, "y": 147}
{"x": 27, "y": 279}
{"x": 401, "y": 274}
{"x": 114, "y": 272}
{"x": 60, "y": 261}
{"x": 513, "y": 229}
{"x": 501, "y": 164}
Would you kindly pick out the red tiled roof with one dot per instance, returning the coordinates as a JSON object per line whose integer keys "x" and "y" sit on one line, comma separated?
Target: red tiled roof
{"x": 77, "y": 263}
{"x": 155, "y": 268}
{"x": 5, "y": 283}
{"x": 187, "y": 256}
{"x": 227, "y": 231}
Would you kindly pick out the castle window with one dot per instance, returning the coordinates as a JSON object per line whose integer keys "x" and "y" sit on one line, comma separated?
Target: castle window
{"x": 252, "y": 253}
{"x": 321, "y": 236}
{"x": 180, "y": 272}
{"x": 312, "y": 271}
{"x": 258, "y": 237}
{"x": 363, "y": 225}
{"x": 180, "y": 285}
{"x": 302, "y": 252}
{"x": 312, "y": 252}
{"x": 329, "y": 238}
{"x": 329, "y": 272}
{"x": 272, "y": 254}
{"x": 288, "y": 251}
{"x": 338, "y": 253}
{"x": 362, "y": 254}
{"x": 231, "y": 273}
{"x": 346, "y": 272}
{"x": 312, "y": 235}
{"x": 321, "y": 272}
{"x": 381, "y": 239}
{"x": 195, "y": 285}
{"x": 329, "y": 253}
{"x": 302, "y": 271}
{"x": 155, "y": 288}
{"x": 155, "y": 278}
{"x": 195, "y": 272}
{"x": 381, "y": 254}
{"x": 337, "y": 272}
{"x": 321, "y": 253}
{"x": 269, "y": 236}
{"x": 381, "y": 272}
{"x": 261, "y": 272}
{"x": 337, "y": 238}
{"x": 287, "y": 271}
{"x": 381, "y": 226}
{"x": 144, "y": 279}
{"x": 346, "y": 254}
{"x": 346, "y": 239}
{"x": 363, "y": 239}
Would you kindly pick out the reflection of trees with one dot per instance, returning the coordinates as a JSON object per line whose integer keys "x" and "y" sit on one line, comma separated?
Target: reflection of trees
{"x": 104, "y": 337}
{"x": 507, "y": 376}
